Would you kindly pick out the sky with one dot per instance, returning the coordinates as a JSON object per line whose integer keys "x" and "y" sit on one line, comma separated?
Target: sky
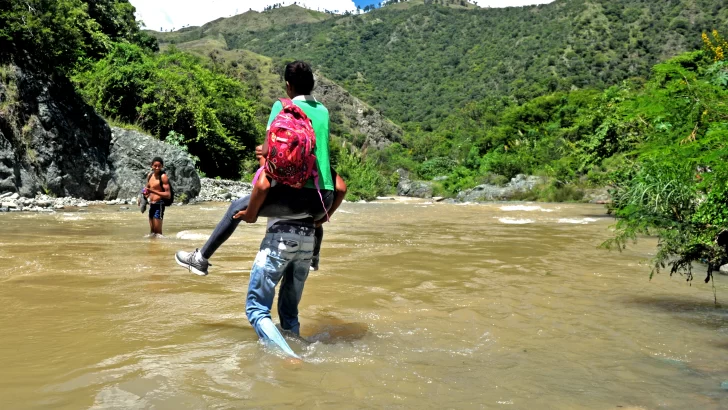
{"x": 175, "y": 14}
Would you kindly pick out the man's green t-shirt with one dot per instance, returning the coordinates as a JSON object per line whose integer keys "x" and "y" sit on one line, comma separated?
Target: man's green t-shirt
{"x": 319, "y": 116}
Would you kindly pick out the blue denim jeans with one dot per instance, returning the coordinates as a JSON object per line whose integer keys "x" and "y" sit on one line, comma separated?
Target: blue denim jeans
{"x": 285, "y": 256}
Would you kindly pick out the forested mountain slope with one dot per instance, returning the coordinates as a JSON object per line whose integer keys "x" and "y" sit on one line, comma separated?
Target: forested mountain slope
{"x": 351, "y": 119}
{"x": 249, "y": 21}
{"x": 421, "y": 62}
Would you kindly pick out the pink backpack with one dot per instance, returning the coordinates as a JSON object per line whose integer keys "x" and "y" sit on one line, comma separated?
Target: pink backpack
{"x": 291, "y": 145}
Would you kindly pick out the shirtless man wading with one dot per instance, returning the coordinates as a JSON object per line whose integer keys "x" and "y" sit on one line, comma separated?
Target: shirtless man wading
{"x": 156, "y": 191}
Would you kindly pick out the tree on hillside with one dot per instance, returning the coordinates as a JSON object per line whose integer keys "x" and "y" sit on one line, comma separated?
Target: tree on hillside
{"x": 58, "y": 34}
{"x": 677, "y": 187}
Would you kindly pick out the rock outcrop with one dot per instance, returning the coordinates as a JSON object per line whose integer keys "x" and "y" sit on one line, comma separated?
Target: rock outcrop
{"x": 50, "y": 140}
{"x": 517, "y": 185}
{"x": 354, "y": 114}
{"x": 223, "y": 189}
{"x": 129, "y": 160}
{"x": 598, "y": 196}
{"x": 416, "y": 189}
{"x": 53, "y": 143}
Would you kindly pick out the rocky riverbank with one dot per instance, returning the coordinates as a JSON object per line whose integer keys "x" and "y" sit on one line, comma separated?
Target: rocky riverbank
{"x": 515, "y": 189}
{"x": 488, "y": 192}
{"x": 221, "y": 190}
{"x": 212, "y": 190}
{"x": 12, "y": 202}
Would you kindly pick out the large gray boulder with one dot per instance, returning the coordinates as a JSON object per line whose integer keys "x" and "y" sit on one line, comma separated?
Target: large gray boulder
{"x": 723, "y": 270}
{"x": 487, "y": 192}
{"x": 415, "y": 189}
{"x": 130, "y": 158}
{"x": 52, "y": 142}
{"x": 598, "y": 196}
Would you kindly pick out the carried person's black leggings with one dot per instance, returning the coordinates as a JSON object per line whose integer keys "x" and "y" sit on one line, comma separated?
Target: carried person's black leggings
{"x": 282, "y": 201}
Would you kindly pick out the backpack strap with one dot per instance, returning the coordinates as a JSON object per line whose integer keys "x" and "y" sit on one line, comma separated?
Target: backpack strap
{"x": 149, "y": 177}
{"x": 286, "y": 102}
{"x": 291, "y": 107}
{"x": 257, "y": 175}
{"x": 315, "y": 182}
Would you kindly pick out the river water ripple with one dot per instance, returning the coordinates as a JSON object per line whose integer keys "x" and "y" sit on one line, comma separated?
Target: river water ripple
{"x": 416, "y": 305}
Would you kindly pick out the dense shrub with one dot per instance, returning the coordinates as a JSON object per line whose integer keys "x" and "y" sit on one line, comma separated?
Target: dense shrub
{"x": 435, "y": 167}
{"x": 173, "y": 91}
{"x": 363, "y": 179}
{"x": 60, "y": 34}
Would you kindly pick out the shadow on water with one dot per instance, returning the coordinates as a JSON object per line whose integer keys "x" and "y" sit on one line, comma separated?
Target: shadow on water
{"x": 677, "y": 304}
{"x": 693, "y": 311}
{"x": 603, "y": 216}
{"x": 331, "y": 330}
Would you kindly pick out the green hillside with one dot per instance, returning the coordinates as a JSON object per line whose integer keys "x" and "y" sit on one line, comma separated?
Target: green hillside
{"x": 351, "y": 119}
{"x": 257, "y": 71}
{"x": 406, "y": 4}
{"x": 249, "y": 22}
{"x": 420, "y": 62}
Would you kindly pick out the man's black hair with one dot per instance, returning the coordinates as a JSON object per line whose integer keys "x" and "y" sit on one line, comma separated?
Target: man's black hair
{"x": 157, "y": 159}
{"x": 300, "y": 76}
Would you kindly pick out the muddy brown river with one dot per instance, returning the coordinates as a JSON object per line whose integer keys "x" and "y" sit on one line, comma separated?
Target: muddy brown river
{"x": 416, "y": 305}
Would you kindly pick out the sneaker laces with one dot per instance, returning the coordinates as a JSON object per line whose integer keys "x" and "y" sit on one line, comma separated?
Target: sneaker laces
{"x": 193, "y": 256}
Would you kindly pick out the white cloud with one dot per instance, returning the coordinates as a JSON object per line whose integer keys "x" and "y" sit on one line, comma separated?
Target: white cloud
{"x": 176, "y": 14}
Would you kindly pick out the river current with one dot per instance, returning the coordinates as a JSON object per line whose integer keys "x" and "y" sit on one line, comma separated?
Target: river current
{"x": 416, "y": 305}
